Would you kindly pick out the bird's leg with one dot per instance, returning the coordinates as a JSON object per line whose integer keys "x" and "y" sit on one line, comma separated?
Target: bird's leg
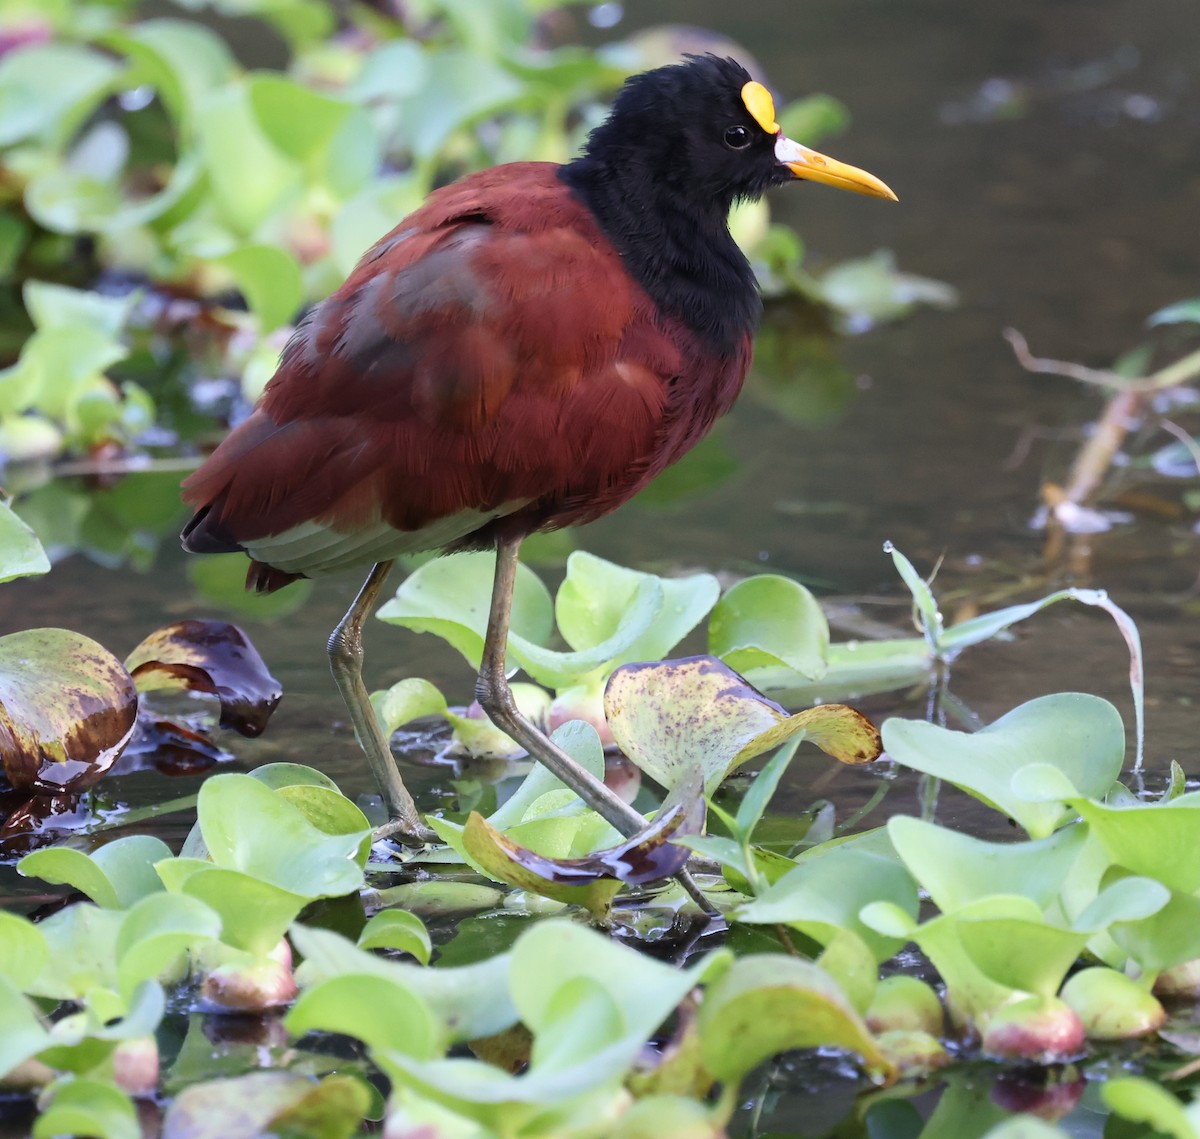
{"x": 496, "y": 699}
{"x": 345, "y": 661}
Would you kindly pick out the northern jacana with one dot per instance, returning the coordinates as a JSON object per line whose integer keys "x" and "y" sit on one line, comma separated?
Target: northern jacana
{"x": 525, "y": 351}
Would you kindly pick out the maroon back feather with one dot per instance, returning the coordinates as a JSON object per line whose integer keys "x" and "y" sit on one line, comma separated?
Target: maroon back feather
{"x": 492, "y": 348}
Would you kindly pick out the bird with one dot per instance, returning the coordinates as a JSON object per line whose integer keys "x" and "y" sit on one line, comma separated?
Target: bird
{"x": 525, "y": 351}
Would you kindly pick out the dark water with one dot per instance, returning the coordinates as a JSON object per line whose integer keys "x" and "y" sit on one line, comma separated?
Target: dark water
{"x": 1071, "y": 219}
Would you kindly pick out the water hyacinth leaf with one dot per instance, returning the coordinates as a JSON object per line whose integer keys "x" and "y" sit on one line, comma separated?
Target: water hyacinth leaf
{"x": 873, "y": 289}
{"x": 925, "y": 604}
{"x": 397, "y": 929}
{"x": 23, "y": 950}
{"x": 283, "y": 774}
{"x": 581, "y": 743}
{"x": 755, "y": 801}
{"x": 252, "y": 829}
{"x": 81, "y": 940}
{"x": 770, "y": 620}
{"x": 1079, "y": 734}
{"x": 67, "y": 710}
{"x": 87, "y": 1107}
{"x": 214, "y": 657}
{"x": 114, "y": 876}
{"x": 181, "y": 59}
{"x": 331, "y": 813}
{"x": 1181, "y": 311}
{"x": 299, "y": 121}
{"x": 248, "y": 175}
{"x": 254, "y": 914}
{"x": 1144, "y": 1101}
{"x": 462, "y": 87}
{"x": 471, "y": 1000}
{"x": 592, "y": 604}
{"x": 1164, "y": 939}
{"x": 593, "y": 880}
{"x": 24, "y": 1033}
{"x": 450, "y": 596}
{"x": 675, "y": 717}
{"x": 382, "y": 1012}
{"x": 268, "y": 1103}
{"x": 851, "y": 963}
{"x": 1147, "y": 838}
{"x": 956, "y": 868}
{"x": 269, "y": 279}
{"x": 767, "y": 1004}
{"x": 1009, "y": 940}
{"x": 826, "y": 893}
{"x": 155, "y": 931}
{"x": 987, "y": 625}
{"x": 21, "y": 554}
{"x": 46, "y": 89}
{"x": 557, "y": 952}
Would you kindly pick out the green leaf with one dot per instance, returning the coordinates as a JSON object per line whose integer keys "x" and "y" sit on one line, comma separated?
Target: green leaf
{"x": 249, "y": 828}
{"x": 182, "y": 59}
{"x": 254, "y": 914}
{"x": 155, "y": 931}
{"x": 592, "y": 604}
{"x": 1146, "y": 838}
{"x": 382, "y": 1012}
{"x": 81, "y": 940}
{"x": 249, "y": 177}
{"x": 24, "y": 1033}
{"x": 1081, "y": 735}
{"x": 770, "y": 620}
{"x": 827, "y": 891}
{"x": 956, "y": 868}
{"x": 1180, "y": 312}
{"x": 471, "y": 1000}
{"x": 114, "y": 876}
{"x": 987, "y": 625}
{"x": 21, "y": 554}
{"x": 298, "y": 121}
{"x": 461, "y": 88}
{"x": 755, "y": 801}
{"x": 397, "y": 929}
{"x": 450, "y": 596}
{"x": 23, "y": 951}
{"x": 87, "y": 1107}
{"x": 581, "y": 743}
{"x": 47, "y": 89}
{"x": 1144, "y": 1101}
{"x": 767, "y": 1004}
{"x": 269, "y": 278}
{"x": 925, "y": 604}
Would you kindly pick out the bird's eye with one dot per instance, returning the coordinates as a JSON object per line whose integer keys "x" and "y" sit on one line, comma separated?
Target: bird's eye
{"x": 737, "y": 137}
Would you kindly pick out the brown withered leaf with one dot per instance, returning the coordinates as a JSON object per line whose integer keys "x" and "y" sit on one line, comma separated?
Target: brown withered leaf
{"x": 593, "y": 880}
{"x": 214, "y": 657}
{"x": 67, "y": 710}
{"x": 673, "y": 717}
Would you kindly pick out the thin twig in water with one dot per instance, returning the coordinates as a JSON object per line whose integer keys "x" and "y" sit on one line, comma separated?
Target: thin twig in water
{"x": 1193, "y": 449}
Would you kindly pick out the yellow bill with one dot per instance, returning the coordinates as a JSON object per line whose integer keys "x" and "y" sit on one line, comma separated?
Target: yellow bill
{"x": 805, "y": 163}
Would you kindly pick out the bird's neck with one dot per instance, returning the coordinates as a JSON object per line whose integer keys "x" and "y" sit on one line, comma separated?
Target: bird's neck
{"x": 676, "y": 246}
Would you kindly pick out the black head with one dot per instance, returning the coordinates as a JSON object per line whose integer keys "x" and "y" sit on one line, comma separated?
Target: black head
{"x": 706, "y": 130}
{"x": 681, "y": 145}
{"x": 689, "y": 127}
